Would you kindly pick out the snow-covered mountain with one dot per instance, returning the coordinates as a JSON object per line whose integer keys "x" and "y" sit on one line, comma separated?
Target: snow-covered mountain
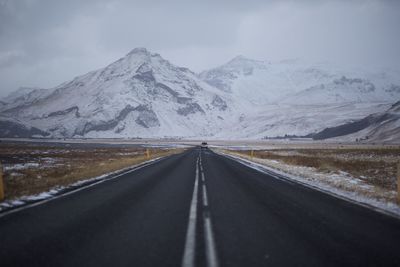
{"x": 144, "y": 95}
{"x": 140, "y": 94}
{"x": 297, "y": 98}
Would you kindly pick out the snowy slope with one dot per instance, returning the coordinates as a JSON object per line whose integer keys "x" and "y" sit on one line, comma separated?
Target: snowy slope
{"x": 294, "y": 81}
{"x": 300, "y": 120}
{"x": 23, "y": 96}
{"x": 377, "y": 127}
{"x": 345, "y": 90}
{"x": 262, "y": 82}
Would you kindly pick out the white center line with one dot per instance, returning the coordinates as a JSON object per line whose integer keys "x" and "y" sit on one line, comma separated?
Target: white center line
{"x": 189, "y": 255}
{"x": 201, "y": 166}
{"x": 205, "y": 199}
{"x": 211, "y": 251}
{"x": 190, "y": 244}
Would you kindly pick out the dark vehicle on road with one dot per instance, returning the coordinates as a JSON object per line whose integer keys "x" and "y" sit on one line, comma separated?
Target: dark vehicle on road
{"x": 204, "y": 145}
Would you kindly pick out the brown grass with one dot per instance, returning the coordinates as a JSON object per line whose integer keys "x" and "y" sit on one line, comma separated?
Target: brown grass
{"x": 59, "y": 166}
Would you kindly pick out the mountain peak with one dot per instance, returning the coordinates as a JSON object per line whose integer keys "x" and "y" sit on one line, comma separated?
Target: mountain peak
{"x": 241, "y": 60}
{"x": 139, "y": 50}
{"x": 142, "y": 54}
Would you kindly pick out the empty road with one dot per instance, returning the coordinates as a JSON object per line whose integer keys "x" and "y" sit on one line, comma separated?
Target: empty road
{"x": 198, "y": 208}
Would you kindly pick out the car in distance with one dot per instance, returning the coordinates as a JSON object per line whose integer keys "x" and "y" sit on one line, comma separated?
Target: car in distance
{"x": 204, "y": 145}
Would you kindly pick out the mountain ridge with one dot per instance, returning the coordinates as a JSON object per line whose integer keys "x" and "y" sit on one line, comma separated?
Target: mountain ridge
{"x": 145, "y": 95}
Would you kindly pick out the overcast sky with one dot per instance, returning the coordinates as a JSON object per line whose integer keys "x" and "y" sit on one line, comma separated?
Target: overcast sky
{"x": 46, "y": 42}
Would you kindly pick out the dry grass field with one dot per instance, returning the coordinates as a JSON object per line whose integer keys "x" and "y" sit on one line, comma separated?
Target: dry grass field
{"x": 34, "y": 168}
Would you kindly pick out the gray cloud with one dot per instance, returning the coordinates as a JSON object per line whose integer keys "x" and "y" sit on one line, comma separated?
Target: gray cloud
{"x": 46, "y": 42}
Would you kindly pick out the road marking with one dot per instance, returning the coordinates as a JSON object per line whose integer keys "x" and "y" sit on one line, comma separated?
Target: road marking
{"x": 211, "y": 251}
{"x": 205, "y": 199}
{"x": 201, "y": 164}
{"x": 190, "y": 243}
{"x": 189, "y": 254}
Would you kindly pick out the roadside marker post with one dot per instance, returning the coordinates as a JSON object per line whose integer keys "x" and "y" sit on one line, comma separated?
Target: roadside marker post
{"x": 148, "y": 153}
{"x": 1, "y": 183}
{"x": 252, "y": 154}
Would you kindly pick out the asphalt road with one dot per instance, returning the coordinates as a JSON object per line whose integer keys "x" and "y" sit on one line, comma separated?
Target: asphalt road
{"x": 198, "y": 209}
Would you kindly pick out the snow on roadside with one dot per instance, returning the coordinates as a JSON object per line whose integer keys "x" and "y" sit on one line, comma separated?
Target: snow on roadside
{"x": 339, "y": 184}
{"x": 20, "y": 166}
{"x": 60, "y": 190}
{"x": 45, "y": 162}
